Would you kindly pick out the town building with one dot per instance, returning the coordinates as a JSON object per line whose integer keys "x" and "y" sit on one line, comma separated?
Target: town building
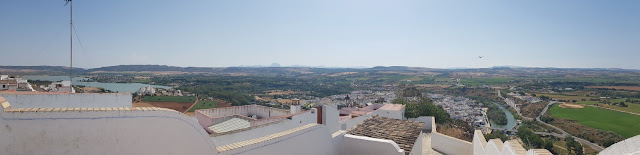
{"x": 8, "y": 83}
{"x": 62, "y": 86}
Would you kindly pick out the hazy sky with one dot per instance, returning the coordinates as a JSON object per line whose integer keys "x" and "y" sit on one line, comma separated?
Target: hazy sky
{"x": 427, "y": 33}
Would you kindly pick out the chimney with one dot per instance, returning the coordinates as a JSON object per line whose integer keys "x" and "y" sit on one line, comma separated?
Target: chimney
{"x": 295, "y": 106}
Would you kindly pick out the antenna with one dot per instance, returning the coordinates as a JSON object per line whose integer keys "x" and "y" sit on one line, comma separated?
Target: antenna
{"x": 70, "y": 44}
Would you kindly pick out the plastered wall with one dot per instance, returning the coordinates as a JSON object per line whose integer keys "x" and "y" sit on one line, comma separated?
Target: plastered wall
{"x": 76, "y": 100}
{"x": 102, "y": 132}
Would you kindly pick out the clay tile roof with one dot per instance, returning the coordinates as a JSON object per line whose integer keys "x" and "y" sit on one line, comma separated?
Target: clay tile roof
{"x": 403, "y": 132}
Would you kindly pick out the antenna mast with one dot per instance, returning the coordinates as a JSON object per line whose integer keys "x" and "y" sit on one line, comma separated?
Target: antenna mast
{"x": 71, "y": 44}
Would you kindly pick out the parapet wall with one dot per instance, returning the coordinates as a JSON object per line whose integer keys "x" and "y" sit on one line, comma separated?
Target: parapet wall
{"x": 497, "y": 147}
{"x": 361, "y": 145}
{"x": 208, "y": 117}
{"x": 627, "y": 146}
{"x": 247, "y": 110}
{"x": 310, "y": 139}
{"x": 450, "y": 145}
{"x": 282, "y": 124}
{"x": 68, "y": 100}
{"x": 100, "y": 131}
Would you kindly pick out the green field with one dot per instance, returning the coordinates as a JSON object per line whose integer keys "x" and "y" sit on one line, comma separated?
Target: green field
{"x": 634, "y": 108}
{"x": 184, "y": 99}
{"x": 484, "y": 81}
{"x": 204, "y": 105}
{"x": 624, "y": 124}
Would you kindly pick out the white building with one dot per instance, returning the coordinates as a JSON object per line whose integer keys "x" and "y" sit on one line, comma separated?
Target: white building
{"x": 148, "y": 90}
{"x": 62, "y": 86}
{"x": 8, "y": 84}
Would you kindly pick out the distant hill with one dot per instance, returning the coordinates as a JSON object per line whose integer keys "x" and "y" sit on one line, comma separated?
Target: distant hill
{"x": 49, "y": 70}
{"x": 297, "y": 71}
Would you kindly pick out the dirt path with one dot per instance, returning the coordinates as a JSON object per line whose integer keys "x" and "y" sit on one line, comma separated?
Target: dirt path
{"x": 560, "y": 147}
{"x": 194, "y": 103}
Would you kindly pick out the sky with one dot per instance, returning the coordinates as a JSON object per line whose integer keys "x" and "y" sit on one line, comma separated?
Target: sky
{"x": 331, "y": 33}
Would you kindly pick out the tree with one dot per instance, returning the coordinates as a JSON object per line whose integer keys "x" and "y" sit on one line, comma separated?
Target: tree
{"x": 423, "y": 107}
{"x": 573, "y": 146}
{"x": 548, "y": 144}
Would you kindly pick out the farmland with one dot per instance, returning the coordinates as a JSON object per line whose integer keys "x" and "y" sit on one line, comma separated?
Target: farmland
{"x": 202, "y": 104}
{"x": 624, "y": 124}
{"x": 631, "y": 88}
{"x": 182, "y": 99}
{"x": 484, "y": 81}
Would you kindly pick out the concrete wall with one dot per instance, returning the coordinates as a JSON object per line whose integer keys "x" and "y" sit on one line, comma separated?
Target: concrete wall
{"x": 300, "y": 119}
{"x": 450, "y": 145}
{"x": 310, "y": 141}
{"x": 360, "y": 145}
{"x": 102, "y": 132}
{"x": 65, "y": 100}
{"x": 628, "y": 146}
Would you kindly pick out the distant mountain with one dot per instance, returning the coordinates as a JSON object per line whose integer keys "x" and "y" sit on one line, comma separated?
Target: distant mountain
{"x": 50, "y": 70}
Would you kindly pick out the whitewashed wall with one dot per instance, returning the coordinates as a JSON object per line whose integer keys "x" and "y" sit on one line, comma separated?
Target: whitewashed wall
{"x": 102, "y": 132}
{"x": 417, "y": 146}
{"x": 627, "y": 146}
{"x": 330, "y": 118}
{"x": 76, "y": 100}
{"x": 360, "y": 145}
{"x": 301, "y": 119}
{"x": 311, "y": 141}
{"x": 450, "y": 145}
{"x": 390, "y": 114}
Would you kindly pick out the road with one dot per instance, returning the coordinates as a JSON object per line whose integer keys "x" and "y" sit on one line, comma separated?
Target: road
{"x": 564, "y": 133}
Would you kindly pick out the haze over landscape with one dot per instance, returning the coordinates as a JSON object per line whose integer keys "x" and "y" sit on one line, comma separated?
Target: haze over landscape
{"x": 436, "y": 34}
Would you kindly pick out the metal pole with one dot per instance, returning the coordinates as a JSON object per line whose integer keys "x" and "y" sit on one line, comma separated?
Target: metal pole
{"x": 71, "y": 45}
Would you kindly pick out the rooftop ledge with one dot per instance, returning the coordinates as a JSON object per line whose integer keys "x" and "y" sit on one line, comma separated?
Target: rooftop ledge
{"x": 7, "y": 108}
{"x": 261, "y": 140}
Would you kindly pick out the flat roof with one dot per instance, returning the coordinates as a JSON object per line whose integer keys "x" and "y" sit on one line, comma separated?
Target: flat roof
{"x": 230, "y": 125}
{"x": 393, "y": 107}
{"x": 403, "y": 132}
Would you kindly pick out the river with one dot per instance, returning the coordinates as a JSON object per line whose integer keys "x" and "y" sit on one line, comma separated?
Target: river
{"x": 511, "y": 121}
{"x": 115, "y": 87}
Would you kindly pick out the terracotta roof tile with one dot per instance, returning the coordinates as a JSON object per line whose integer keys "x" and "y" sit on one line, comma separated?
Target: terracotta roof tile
{"x": 403, "y": 132}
